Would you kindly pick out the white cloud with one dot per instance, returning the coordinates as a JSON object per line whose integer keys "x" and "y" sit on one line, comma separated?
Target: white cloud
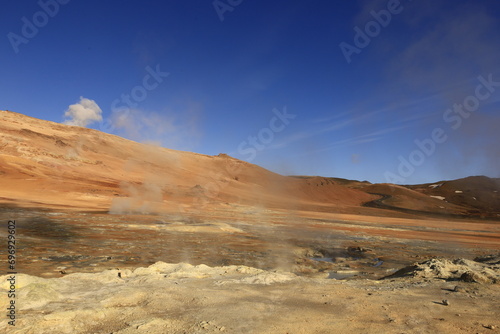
{"x": 83, "y": 113}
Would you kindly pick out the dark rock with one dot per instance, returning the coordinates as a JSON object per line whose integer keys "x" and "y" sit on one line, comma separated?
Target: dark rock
{"x": 472, "y": 277}
{"x": 352, "y": 249}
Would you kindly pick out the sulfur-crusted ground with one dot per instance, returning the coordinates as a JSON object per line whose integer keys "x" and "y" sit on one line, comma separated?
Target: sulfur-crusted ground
{"x": 181, "y": 298}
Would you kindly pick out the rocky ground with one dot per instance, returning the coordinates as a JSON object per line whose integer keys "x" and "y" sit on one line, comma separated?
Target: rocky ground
{"x": 55, "y": 243}
{"x": 251, "y": 271}
{"x": 181, "y": 298}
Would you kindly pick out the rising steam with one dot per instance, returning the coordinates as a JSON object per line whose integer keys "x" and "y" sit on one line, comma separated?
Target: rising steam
{"x": 83, "y": 113}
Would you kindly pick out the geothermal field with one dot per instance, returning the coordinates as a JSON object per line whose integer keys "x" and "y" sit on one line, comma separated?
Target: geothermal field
{"x": 107, "y": 235}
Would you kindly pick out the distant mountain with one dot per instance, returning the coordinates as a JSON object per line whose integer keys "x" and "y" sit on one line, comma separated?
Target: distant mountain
{"x": 479, "y": 195}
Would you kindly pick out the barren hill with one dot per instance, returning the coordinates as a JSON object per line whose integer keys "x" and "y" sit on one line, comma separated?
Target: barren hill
{"x": 41, "y": 160}
{"x": 52, "y": 165}
{"x": 477, "y": 194}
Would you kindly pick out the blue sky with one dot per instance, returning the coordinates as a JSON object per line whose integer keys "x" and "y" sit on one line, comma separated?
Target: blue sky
{"x": 233, "y": 66}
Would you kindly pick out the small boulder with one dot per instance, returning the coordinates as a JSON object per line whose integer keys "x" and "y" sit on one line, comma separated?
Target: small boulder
{"x": 473, "y": 277}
